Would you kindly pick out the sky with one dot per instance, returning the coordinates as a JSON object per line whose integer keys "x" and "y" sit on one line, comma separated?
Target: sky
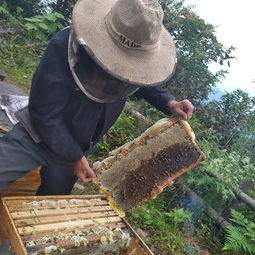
{"x": 234, "y": 21}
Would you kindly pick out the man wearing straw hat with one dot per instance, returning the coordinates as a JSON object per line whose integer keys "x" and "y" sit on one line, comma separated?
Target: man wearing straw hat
{"x": 114, "y": 48}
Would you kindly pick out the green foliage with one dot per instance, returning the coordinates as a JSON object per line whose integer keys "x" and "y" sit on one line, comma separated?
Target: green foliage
{"x": 230, "y": 171}
{"x": 240, "y": 236}
{"x": 28, "y": 8}
{"x": 245, "y": 142}
{"x": 166, "y": 227}
{"x": 42, "y": 27}
{"x": 121, "y": 132}
{"x": 22, "y": 43}
{"x": 151, "y": 113}
{"x": 19, "y": 56}
{"x": 11, "y": 27}
{"x": 64, "y": 7}
{"x": 197, "y": 46}
{"x": 229, "y": 117}
{"x": 19, "y": 62}
{"x": 217, "y": 180}
{"x": 230, "y": 122}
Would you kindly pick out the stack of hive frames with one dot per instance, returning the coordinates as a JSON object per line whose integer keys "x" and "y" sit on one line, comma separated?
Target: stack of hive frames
{"x": 141, "y": 169}
{"x": 67, "y": 225}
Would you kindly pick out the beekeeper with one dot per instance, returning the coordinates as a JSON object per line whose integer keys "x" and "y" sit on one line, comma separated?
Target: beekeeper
{"x": 113, "y": 49}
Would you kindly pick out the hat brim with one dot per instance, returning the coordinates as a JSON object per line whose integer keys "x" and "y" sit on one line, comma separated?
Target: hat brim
{"x": 135, "y": 66}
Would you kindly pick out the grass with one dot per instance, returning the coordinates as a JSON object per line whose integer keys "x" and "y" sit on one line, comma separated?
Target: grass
{"x": 19, "y": 63}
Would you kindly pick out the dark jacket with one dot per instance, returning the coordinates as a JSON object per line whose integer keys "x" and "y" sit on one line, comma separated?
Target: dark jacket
{"x": 67, "y": 121}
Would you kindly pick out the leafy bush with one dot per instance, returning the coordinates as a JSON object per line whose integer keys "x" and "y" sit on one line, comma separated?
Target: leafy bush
{"x": 22, "y": 44}
{"x": 121, "y": 132}
{"x": 229, "y": 117}
{"x": 224, "y": 173}
{"x": 197, "y": 46}
{"x": 19, "y": 63}
{"x": 12, "y": 29}
{"x": 42, "y": 27}
{"x": 241, "y": 236}
{"x": 166, "y": 236}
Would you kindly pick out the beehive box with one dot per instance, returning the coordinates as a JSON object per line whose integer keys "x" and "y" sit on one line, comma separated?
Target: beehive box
{"x": 141, "y": 169}
{"x": 67, "y": 225}
{"x": 24, "y": 186}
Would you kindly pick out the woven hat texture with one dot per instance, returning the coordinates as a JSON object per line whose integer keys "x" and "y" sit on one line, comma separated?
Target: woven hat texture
{"x": 127, "y": 38}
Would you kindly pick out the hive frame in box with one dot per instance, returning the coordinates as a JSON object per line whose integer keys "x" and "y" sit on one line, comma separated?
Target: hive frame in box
{"x": 142, "y": 168}
{"x": 17, "y": 212}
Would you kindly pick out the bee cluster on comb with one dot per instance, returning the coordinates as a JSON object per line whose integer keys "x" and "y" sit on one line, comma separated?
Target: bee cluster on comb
{"x": 141, "y": 169}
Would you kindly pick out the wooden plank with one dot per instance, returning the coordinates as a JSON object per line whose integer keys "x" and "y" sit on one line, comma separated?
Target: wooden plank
{"x": 138, "y": 242}
{"x": 19, "y": 188}
{"x": 3, "y": 233}
{"x": 66, "y": 225}
{"x": 3, "y": 129}
{"x": 15, "y": 193}
{"x": 53, "y": 204}
{"x": 63, "y": 218}
{"x": 11, "y": 230}
{"x": 135, "y": 248}
{"x": 28, "y": 183}
{"x": 68, "y": 244}
{"x": 24, "y": 186}
{"x": 61, "y": 211}
{"x": 84, "y": 203}
{"x": 35, "y": 172}
{"x": 39, "y": 236}
{"x": 31, "y": 177}
{"x": 59, "y": 197}
{"x": 20, "y": 200}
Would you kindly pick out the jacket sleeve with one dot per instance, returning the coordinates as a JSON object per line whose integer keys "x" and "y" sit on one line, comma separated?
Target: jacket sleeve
{"x": 157, "y": 96}
{"x": 49, "y": 96}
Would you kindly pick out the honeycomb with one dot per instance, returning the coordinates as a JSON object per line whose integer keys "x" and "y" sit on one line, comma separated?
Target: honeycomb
{"x": 141, "y": 169}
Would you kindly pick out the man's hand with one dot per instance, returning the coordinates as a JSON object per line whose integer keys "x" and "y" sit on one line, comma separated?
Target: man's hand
{"x": 83, "y": 171}
{"x": 183, "y": 109}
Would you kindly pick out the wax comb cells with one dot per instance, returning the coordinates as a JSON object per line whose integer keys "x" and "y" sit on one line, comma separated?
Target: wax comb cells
{"x": 141, "y": 169}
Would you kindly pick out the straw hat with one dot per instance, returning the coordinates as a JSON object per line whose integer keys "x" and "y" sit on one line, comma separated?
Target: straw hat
{"x": 126, "y": 38}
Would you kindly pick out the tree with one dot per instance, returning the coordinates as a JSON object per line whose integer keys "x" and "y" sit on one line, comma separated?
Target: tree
{"x": 197, "y": 46}
{"x": 229, "y": 117}
{"x": 64, "y": 7}
{"x": 245, "y": 143}
{"x": 30, "y": 8}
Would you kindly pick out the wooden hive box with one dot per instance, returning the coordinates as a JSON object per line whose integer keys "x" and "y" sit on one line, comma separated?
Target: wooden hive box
{"x": 67, "y": 225}
{"x": 25, "y": 186}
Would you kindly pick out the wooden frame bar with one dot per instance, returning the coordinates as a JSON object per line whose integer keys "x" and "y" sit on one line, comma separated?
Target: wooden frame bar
{"x": 11, "y": 231}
